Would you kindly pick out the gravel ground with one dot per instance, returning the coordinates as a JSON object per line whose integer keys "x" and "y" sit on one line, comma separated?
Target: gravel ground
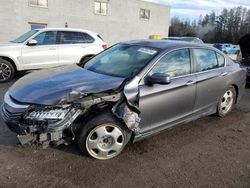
{"x": 209, "y": 152}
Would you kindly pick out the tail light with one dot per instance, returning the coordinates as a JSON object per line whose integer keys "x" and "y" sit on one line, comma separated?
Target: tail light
{"x": 105, "y": 46}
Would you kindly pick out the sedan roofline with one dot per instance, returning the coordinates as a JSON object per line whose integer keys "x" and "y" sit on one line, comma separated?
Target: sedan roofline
{"x": 165, "y": 44}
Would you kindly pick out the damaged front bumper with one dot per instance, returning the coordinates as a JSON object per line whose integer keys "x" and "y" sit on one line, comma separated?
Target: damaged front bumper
{"x": 37, "y": 124}
{"x": 39, "y": 130}
{"x": 46, "y": 124}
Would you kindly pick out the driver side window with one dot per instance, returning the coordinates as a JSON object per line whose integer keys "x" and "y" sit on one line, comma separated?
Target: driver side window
{"x": 46, "y": 38}
{"x": 176, "y": 63}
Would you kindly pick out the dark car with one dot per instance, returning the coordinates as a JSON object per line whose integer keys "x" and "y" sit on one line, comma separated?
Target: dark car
{"x": 185, "y": 39}
{"x": 127, "y": 93}
{"x": 246, "y": 63}
{"x": 245, "y": 53}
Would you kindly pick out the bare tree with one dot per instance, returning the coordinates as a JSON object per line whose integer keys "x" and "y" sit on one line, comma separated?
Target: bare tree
{"x": 228, "y": 26}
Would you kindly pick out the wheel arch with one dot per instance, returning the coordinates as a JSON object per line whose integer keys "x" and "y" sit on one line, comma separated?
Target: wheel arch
{"x": 10, "y": 61}
{"x": 237, "y": 92}
{"x": 105, "y": 108}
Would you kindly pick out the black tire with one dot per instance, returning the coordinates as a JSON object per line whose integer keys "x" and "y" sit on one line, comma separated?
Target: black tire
{"x": 93, "y": 124}
{"x": 223, "y": 112}
{"x": 6, "y": 67}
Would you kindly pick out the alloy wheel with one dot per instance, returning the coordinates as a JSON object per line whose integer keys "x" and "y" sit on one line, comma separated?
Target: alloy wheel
{"x": 5, "y": 72}
{"x": 227, "y": 101}
{"x": 105, "y": 141}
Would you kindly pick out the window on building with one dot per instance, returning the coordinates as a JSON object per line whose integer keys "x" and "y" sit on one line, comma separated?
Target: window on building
{"x": 68, "y": 37}
{"x": 39, "y": 3}
{"x": 101, "y": 8}
{"x": 145, "y": 14}
{"x": 35, "y": 25}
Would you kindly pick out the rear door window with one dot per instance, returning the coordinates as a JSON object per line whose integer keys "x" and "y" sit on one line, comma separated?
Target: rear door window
{"x": 87, "y": 38}
{"x": 205, "y": 59}
{"x": 221, "y": 60}
{"x": 70, "y": 37}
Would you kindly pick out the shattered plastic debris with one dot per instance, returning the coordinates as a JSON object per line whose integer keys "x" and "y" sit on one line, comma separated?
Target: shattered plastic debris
{"x": 24, "y": 139}
{"x": 130, "y": 117}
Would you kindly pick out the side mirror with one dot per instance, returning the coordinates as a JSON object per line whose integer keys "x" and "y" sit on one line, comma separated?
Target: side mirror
{"x": 158, "y": 78}
{"x": 32, "y": 42}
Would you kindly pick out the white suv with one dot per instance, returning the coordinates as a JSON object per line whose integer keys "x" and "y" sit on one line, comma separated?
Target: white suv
{"x": 45, "y": 48}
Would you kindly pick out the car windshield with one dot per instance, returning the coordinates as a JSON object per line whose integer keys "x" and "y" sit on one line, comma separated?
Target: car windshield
{"x": 25, "y": 36}
{"x": 122, "y": 60}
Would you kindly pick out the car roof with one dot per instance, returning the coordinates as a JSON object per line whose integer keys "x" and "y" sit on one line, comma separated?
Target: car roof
{"x": 182, "y": 38}
{"x": 222, "y": 44}
{"x": 65, "y": 29}
{"x": 165, "y": 44}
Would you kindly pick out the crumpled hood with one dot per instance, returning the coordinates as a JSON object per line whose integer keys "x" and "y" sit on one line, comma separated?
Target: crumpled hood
{"x": 49, "y": 86}
{"x": 245, "y": 46}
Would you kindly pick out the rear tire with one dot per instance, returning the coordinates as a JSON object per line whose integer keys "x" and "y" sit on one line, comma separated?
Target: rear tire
{"x": 103, "y": 137}
{"x": 7, "y": 71}
{"x": 226, "y": 102}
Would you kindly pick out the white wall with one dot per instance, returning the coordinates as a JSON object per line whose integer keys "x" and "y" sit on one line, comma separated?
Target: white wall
{"x": 121, "y": 23}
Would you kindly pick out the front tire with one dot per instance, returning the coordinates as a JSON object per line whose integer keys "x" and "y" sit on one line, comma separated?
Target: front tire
{"x": 7, "y": 71}
{"x": 226, "y": 102}
{"x": 103, "y": 137}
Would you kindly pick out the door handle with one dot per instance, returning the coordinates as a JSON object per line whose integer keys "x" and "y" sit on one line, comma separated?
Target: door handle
{"x": 52, "y": 48}
{"x": 190, "y": 82}
{"x": 224, "y": 73}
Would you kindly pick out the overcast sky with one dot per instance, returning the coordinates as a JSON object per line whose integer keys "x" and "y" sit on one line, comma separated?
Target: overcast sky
{"x": 194, "y": 8}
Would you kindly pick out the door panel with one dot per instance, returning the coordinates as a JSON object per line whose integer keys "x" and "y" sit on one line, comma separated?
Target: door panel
{"x": 42, "y": 55}
{"x": 162, "y": 104}
{"x": 210, "y": 86}
{"x": 71, "y": 53}
{"x": 211, "y": 79}
{"x": 36, "y": 57}
{"x": 73, "y": 46}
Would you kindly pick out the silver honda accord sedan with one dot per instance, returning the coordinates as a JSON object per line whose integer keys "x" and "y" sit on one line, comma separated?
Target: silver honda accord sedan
{"x": 127, "y": 93}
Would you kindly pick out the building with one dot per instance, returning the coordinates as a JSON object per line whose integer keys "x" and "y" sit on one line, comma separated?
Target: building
{"x": 114, "y": 20}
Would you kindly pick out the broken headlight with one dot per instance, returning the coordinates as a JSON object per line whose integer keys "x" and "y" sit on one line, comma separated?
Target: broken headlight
{"x": 48, "y": 114}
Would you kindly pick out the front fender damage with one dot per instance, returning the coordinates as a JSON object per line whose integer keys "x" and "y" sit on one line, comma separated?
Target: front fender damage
{"x": 124, "y": 103}
{"x": 127, "y": 108}
{"x": 129, "y": 117}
